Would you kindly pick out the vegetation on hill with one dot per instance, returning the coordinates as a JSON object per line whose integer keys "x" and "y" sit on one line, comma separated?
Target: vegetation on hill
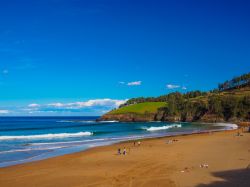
{"x": 230, "y": 102}
{"x": 140, "y": 108}
{"x": 236, "y": 82}
{"x": 213, "y": 107}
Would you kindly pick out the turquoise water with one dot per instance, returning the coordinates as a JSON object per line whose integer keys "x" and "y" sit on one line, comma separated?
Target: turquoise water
{"x": 25, "y": 139}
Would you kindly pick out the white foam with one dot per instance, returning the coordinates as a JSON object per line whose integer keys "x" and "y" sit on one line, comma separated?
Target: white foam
{"x": 32, "y": 149}
{"x": 163, "y": 127}
{"x": 114, "y": 121}
{"x": 71, "y": 142}
{"x": 46, "y": 136}
{"x": 87, "y": 121}
{"x": 227, "y": 125}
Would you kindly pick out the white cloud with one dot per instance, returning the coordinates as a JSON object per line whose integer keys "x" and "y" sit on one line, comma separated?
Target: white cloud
{"x": 135, "y": 83}
{"x": 89, "y": 103}
{"x": 104, "y": 102}
{"x": 89, "y": 107}
{"x": 4, "y": 111}
{"x": 33, "y": 105}
{"x": 184, "y": 87}
{"x": 172, "y": 86}
{"x": 107, "y": 103}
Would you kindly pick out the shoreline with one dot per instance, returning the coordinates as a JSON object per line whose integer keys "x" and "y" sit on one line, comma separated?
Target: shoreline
{"x": 154, "y": 163}
{"x": 49, "y": 155}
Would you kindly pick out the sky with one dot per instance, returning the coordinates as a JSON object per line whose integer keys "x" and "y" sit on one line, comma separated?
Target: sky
{"x": 85, "y": 57}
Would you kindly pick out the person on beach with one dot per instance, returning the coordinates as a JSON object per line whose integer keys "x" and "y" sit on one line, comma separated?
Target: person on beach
{"x": 134, "y": 143}
{"x": 119, "y": 151}
{"x": 124, "y": 151}
{"x": 139, "y": 143}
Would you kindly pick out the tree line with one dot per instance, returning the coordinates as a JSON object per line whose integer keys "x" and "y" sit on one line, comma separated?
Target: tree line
{"x": 226, "y": 108}
{"x": 164, "y": 98}
{"x": 236, "y": 82}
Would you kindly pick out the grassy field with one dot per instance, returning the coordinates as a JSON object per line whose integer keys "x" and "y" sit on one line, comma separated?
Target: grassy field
{"x": 140, "y": 108}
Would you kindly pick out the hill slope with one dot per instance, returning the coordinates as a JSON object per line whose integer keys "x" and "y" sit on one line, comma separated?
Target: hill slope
{"x": 135, "y": 112}
{"x": 140, "y": 108}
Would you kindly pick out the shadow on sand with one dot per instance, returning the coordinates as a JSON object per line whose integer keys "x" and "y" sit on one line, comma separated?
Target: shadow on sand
{"x": 232, "y": 178}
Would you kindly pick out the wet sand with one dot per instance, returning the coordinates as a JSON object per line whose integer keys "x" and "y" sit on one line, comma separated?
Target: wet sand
{"x": 154, "y": 163}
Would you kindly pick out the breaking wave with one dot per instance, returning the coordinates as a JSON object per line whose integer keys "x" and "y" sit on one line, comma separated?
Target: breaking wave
{"x": 227, "y": 125}
{"x": 46, "y": 136}
{"x": 163, "y": 127}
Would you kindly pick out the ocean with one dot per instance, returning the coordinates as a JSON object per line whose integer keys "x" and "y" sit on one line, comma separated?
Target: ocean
{"x": 26, "y": 139}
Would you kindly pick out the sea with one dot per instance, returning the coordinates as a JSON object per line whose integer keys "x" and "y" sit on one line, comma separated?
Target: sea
{"x": 26, "y": 139}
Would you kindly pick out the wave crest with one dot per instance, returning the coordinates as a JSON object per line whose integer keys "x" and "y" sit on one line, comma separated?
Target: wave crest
{"x": 113, "y": 121}
{"x": 227, "y": 125}
{"x": 163, "y": 127}
{"x": 46, "y": 136}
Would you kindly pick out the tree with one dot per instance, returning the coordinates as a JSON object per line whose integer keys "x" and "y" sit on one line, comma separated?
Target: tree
{"x": 229, "y": 105}
{"x": 215, "y": 105}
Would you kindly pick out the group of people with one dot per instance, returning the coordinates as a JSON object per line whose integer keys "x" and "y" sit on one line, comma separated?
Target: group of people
{"x": 138, "y": 143}
{"x": 171, "y": 141}
{"x": 124, "y": 151}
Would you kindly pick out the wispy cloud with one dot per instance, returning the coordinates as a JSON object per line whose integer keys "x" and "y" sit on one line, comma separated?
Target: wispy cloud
{"x": 34, "y": 105}
{"x": 175, "y": 86}
{"x": 4, "y": 111}
{"x": 135, "y": 83}
{"x": 172, "y": 86}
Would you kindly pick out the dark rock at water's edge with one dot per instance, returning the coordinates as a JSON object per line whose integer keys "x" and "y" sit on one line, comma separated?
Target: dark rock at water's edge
{"x": 132, "y": 117}
{"x": 129, "y": 117}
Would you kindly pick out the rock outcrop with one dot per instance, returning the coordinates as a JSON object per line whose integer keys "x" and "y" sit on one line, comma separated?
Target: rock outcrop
{"x": 129, "y": 117}
{"x": 161, "y": 116}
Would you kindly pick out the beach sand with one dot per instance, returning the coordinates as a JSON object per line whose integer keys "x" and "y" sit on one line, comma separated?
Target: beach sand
{"x": 154, "y": 163}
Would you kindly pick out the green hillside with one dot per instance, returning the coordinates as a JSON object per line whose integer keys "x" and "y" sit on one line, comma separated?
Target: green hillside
{"x": 140, "y": 108}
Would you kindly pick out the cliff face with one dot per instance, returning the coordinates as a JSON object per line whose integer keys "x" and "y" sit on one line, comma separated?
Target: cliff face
{"x": 129, "y": 117}
{"x": 132, "y": 117}
{"x": 211, "y": 118}
{"x": 161, "y": 116}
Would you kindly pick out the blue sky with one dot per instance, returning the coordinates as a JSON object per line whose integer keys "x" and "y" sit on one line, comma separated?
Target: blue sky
{"x": 77, "y": 57}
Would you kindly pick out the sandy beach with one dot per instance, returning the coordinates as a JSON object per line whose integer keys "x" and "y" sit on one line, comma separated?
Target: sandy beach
{"x": 213, "y": 159}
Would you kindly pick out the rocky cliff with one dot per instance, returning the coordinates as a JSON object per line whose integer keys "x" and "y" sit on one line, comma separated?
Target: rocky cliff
{"x": 132, "y": 117}
{"x": 129, "y": 117}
